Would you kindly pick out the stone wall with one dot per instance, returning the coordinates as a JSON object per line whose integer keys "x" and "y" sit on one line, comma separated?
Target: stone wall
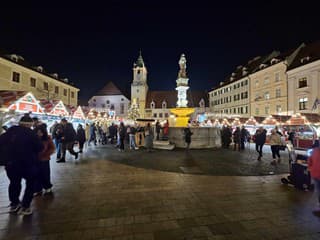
{"x": 203, "y": 137}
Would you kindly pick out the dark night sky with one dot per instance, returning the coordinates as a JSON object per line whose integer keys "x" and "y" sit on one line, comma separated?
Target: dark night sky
{"x": 92, "y": 44}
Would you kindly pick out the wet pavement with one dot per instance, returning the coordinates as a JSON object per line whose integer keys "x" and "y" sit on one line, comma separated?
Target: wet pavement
{"x": 98, "y": 197}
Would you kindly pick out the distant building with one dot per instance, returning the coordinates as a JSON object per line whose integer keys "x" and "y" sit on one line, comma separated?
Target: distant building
{"x": 17, "y": 75}
{"x": 110, "y": 99}
{"x": 157, "y": 104}
{"x": 304, "y": 80}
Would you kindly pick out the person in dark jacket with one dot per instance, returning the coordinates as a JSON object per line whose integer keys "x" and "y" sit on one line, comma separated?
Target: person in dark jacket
{"x": 236, "y": 139}
{"x": 158, "y": 129}
{"x": 57, "y": 134}
{"x": 244, "y": 137}
{"x": 68, "y": 139}
{"x": 112, "y": 133}
{"x": 81, "y": 137}
{"x": 93, "y": 136}
{"x": 187, "y": 137}
{"x": 260, "y": 139}
{"x": 22, "y": 147}
{"x": 122, "y": 135}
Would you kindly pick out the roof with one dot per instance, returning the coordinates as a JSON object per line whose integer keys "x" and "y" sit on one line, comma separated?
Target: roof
{"x": 307, "y": 54}
{"x": 109, "y": 89}
{"x": 170, "y": 97}
{"x": 9, "y": 97}
{"x": 21, "y": 61}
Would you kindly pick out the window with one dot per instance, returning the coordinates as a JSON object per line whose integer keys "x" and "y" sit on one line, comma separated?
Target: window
{"x": 154, "y": 115}
{"x": 32, "y": 82}
{"x": 278, "y": 108}
{"x": 122, "y": 99}
{"x": 257, "y": 83}
{"x": 164, "y": 104}
{"x": 244, "y": 95}
{"x": 246, "y": 109}
{"x": 278, "y": 93}
{"x": 166, "y": 115}
{"x": 277, "y": 77}
{"x": 160, "y": 115}
{"x": 93, "y": 99}
{"x": 257, "y": 111}
{"x": 65, "y": 92}
{"x": 103, "y": 105}
{"x": 56, "y": 90}
{"x": 303, "y": 103}
{"x": 72, "y": 94}
{"x": 152, "y": 104}
{"x": 107, "y": 102}
{"x": 234, "y": 110}
{"x": 121, "y": 108}
{"x": 266, "y": 95}
{"x": 45, "y": 86}
{"x": 266, "y": 80}
{"x": 16, "y": 77}
{"x": 302, "y": 82}
{"x": 266, "y": 110}
{"x": 137, "y": 90}
{"x": 112, "y": 107}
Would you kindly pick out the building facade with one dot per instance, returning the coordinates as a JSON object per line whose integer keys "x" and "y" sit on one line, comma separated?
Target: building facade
{"x": 110, "y": 100}
{"x": 304, "y": 81}
{"x": 16, "y": 75}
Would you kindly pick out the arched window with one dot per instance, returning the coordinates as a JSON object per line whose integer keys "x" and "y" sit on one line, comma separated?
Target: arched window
{"x": 164, "y": 104}
{"x": 152, "y": 104}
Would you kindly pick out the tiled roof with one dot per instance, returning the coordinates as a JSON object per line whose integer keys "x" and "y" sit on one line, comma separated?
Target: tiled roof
{"x": 170, "y": 97}
{"x": 307, "y": 54}
{"x": 9, "y": 97}
{"x": 109, "y": 89}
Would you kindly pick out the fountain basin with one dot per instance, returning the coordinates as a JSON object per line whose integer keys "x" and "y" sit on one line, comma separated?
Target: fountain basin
{"x": 203, "y": 137}
{"x": 182, "y": 116}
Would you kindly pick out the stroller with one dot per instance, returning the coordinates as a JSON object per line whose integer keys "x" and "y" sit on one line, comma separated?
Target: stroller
{"x": 299, "y": 175}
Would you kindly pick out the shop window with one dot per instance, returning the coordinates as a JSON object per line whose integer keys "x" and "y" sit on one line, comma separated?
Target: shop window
{"x": 16, "y": 77}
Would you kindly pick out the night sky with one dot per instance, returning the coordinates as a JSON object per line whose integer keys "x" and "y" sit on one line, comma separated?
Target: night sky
{"x": 92, "y": 44}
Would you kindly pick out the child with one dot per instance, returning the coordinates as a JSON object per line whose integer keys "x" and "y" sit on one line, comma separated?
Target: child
{"x": 43, "y": 179}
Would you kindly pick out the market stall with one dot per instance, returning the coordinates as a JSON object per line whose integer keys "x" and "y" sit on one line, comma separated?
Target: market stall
{"x": 251, "y": 125}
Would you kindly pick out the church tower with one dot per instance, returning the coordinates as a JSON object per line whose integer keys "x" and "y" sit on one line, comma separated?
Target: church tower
{"x": 139, "y": 86}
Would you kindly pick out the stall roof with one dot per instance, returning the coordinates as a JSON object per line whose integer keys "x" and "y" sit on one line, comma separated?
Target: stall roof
{"x": 27, "y": 103}
{"x": 9, "y": 97}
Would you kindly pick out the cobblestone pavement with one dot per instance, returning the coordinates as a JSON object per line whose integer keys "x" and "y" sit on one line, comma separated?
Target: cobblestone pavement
{"x": 99, "y": 199}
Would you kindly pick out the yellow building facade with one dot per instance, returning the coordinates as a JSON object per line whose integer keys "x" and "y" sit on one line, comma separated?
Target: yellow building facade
{"x": 268, "y": 89}
{"x": 16, "y": 76}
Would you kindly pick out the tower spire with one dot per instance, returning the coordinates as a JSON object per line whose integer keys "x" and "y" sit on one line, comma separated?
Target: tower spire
{"x": 140, "y": 62}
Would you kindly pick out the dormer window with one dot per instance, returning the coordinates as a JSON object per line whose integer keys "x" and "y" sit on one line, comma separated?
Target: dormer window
{"x": 305, "y": 59}
{"x": 262, "y": 66}
{"x": 164, "y": 104}
{"x": 233, "y": 74}
{"x": 274, "y": 60}
{"x": 152, "y": 104}
{"x": 39, "y": 68}
{"x": 14, "y": 57}
{"x": 55, "y": 75}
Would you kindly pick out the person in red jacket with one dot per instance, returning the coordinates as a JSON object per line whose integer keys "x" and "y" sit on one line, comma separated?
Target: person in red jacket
{"x": 43, "y": 179}
{"x": 314, "y": 168}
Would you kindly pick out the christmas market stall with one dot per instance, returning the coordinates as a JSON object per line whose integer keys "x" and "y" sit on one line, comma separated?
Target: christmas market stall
{"x": 305, "y": 132}
{"x": 251, "y": 125}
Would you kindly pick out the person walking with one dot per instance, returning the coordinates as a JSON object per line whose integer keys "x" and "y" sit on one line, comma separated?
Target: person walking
{"x": 132, "y": 138}
{"x": 187, "y": 137}
{"x": 43, "y": 183}
{"x": 275, "y": 142}
{"x": 122, "y": 135}
{"x": 244, "y": 136}
{"x": 81, "y": 137}
{"x": 314, "y": 168}
{"x": 57, "y": 134}
{"x": 148, "y": 140}
{"x": 21, "y": 147}
{"x": 260, "y": 139}
{"x": 68, "y": 139}
{"x": 158, "y": 129}
{"x": 92, "y": 134}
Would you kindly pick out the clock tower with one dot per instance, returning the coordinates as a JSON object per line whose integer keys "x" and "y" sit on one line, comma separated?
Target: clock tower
{"x": 139, "y": 86}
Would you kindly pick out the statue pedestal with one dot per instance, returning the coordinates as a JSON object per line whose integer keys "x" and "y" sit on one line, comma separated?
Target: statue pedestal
{"x": 182, "y": 116}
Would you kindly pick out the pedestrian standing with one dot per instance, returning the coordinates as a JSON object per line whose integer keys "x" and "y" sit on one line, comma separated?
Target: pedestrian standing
{"x": 21, "y": 147}
{"x": 81, "y": 137}
{"x": 236, "y": 139}
{"x": 132, "y": 138}
{"x": 43, "y": 183}
{"x": 187, "y": 137}
{"x": 275, "y": 142}
{"x": 158, "y": 128}
{"x": 314, "y": 168}
{"x": 122, "y": 135}
{"x": 57, "y": 134}
{"x": 148, "y": 140}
